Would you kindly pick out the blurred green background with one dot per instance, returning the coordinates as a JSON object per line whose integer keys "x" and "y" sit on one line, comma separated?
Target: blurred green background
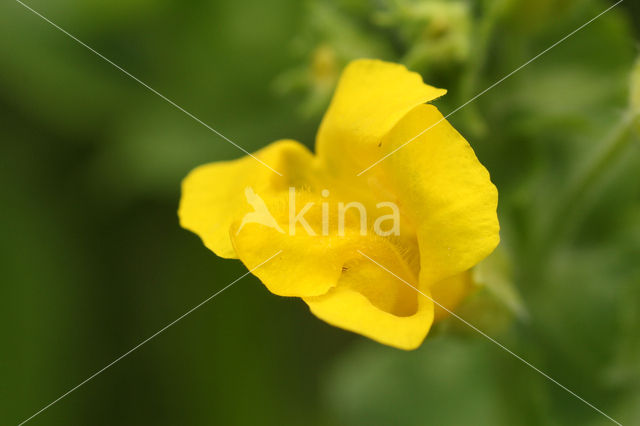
{"x": 94, "y": 261}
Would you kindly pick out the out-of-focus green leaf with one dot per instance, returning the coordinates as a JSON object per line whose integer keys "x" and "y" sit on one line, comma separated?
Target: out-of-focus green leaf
{"x": 495, "y": 273}
{"x": 635, "y": 94}
{"x": 445, "y": 382}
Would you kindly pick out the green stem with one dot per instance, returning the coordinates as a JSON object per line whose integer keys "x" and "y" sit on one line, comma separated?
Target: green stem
{"x": 476, "y": 65}
{"x": 564, "y": 218}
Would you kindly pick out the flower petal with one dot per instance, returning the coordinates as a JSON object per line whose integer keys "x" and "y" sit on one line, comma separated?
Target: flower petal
{"x": 370, "y": 99}
{"x": 314, "y": 251}
{"x": 370, "y": 301}
{"x": 443, "y": 190}
{"x": 306, "y": 266}
{"x": 213, "y": 195}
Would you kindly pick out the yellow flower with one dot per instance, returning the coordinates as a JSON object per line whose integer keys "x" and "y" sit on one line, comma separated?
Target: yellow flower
{"x": 429, "y": 209}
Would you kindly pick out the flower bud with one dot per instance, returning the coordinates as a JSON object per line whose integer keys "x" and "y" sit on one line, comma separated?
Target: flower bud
{"x": 436, "y": 34}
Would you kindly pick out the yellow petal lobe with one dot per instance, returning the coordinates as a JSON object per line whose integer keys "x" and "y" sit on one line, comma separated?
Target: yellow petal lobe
{"x": 443, "y": 190}
{"x": 370, "y": 99}
{"x": 373, "y": 302}
{"x": 213, "y": 195}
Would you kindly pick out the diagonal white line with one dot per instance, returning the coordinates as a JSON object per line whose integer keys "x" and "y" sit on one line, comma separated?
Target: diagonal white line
{"x": 496, "y": 342}
{"x": 146, "y": 340}
{"x": 147, "y": 86}
{"x": 491, "y": 87}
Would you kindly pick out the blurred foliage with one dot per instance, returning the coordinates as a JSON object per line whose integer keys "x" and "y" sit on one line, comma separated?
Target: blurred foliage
{"x": 634, "y": 99}
{"x": 93, "y": 260}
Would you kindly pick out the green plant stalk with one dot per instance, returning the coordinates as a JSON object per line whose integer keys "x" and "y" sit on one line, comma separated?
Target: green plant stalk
{"x": 475, "y": 67}
{"x": 584, "y": 184}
